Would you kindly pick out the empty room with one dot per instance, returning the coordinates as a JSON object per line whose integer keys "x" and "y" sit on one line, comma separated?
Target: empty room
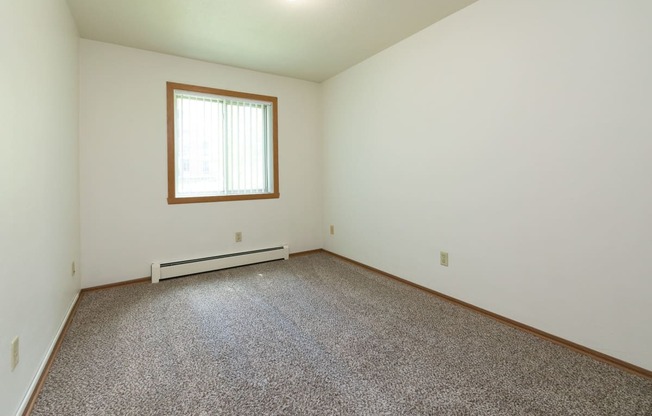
{"x": 318, "y": 207}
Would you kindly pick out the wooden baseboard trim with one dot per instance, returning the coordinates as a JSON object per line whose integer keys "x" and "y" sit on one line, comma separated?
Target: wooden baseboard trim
{"x": 306, "y": 253}
{"x": 515, "y": 324}
{"x": 48, "y": 365}
{"x": 117, "y": 284}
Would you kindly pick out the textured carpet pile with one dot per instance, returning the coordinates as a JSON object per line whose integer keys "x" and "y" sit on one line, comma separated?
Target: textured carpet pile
{"x": 314, "y": 335}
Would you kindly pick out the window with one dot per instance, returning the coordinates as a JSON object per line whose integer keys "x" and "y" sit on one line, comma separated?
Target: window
{"x": 222, "y": 145}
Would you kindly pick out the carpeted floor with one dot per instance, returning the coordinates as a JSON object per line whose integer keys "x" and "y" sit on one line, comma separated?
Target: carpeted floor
{"x": 314, "y": 335}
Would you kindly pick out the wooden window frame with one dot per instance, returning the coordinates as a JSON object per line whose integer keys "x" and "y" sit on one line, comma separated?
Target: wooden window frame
{"x": 172, "y": 198}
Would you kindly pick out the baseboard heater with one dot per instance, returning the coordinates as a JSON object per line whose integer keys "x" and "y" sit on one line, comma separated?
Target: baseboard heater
{"x": 224, "y": 261}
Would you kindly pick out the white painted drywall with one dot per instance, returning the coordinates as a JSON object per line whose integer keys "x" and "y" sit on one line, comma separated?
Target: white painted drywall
{"x": 126, "y": 221}
{"x": 517, "y": 136}
{"x": 39, "y": 193}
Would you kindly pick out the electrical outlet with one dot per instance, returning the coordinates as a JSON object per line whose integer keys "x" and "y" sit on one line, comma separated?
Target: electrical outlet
{"x": 238, "y": 237}
{"x": 74, "y": 268}
{"x": 15, "y": 353}
{"x": 443, "y": 258}
{"x": 332, "y": 230}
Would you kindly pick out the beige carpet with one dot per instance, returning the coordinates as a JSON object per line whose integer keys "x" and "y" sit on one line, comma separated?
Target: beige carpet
{"x": 315, "y": 336}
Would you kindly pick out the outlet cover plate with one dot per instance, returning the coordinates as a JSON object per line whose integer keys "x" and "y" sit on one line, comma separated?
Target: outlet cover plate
{"x": 15, "y": 352}
{"x": 443, "y": 258}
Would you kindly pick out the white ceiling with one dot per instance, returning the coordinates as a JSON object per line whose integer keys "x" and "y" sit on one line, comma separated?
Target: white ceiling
{"x": 307, "y": 39}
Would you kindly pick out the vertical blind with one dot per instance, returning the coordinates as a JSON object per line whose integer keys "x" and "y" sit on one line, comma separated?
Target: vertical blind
{"x": 223, "y": 145}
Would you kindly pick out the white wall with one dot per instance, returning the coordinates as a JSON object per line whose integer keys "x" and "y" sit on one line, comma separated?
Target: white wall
{"x": 126, "y": 221}
{"x": 516, "y": 136}
{"x": 39, "y": 196}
